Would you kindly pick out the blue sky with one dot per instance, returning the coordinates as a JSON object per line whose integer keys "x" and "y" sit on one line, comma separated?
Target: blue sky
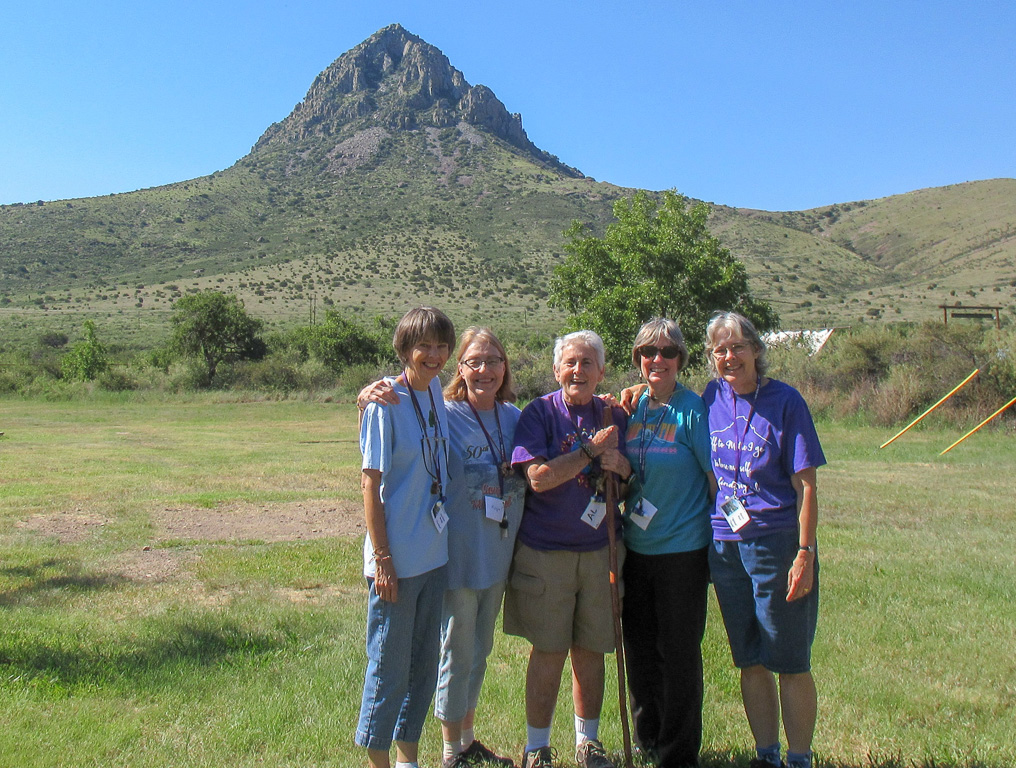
{"x": 774, "y": 105}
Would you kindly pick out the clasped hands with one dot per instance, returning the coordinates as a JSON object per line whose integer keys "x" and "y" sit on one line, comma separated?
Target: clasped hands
{"x": 603, "y": 445}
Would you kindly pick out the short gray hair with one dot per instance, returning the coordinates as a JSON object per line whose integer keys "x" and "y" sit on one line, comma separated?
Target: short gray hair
{"x": 739, "y": 325}
{"x": 590, "y": 338}
{"x": 654, "y": 329}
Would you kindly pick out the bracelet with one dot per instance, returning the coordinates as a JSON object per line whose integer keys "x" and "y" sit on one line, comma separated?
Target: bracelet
{"x": 586, "y": 450}
{"x": 807, "y": 548}
{"x": 380, "y": 553}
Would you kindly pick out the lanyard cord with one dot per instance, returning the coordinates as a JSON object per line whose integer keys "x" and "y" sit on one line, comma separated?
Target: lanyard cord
{"x": 433, "y": 450}
{"x": 500, "y": 459}
{"x": 597, "y": 420}
{"x": 747, "y": 426}
{"x": 643, "y": 445}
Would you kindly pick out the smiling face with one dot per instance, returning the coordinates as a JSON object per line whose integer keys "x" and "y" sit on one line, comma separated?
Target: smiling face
{"x": 426, "y": 359}
{"x": 578, "y": 373}
{"x": 735, "y": 361}
{"x": 482, "y": 383}
{"x": 659, "y": 371}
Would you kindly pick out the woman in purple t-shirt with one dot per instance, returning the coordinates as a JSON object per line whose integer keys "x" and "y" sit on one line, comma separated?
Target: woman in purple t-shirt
{"x": 764, "y": 560}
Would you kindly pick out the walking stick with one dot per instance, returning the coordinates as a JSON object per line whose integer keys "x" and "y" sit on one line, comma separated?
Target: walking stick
{"x": 615, "y": 600}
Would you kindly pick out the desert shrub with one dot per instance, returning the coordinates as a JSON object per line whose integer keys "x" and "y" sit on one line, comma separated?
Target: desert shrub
{"x": 118, "y": 379}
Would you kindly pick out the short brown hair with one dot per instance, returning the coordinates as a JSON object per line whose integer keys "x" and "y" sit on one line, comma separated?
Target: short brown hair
{"x": 456, "y": 389}
{"x": 419, "y": 324}
{"x": 654, "y": 329}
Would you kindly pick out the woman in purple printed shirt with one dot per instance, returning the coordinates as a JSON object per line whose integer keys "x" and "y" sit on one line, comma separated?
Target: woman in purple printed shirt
{"x": 764, "y": 559}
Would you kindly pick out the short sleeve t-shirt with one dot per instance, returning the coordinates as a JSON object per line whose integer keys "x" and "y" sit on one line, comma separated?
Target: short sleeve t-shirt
{"x": 391, "y": 440}
{"x": 758, "y": 442}
{"x": 548, "y": 428}
{"x": 479, "y": 549}
{"x": 669, "y": 449}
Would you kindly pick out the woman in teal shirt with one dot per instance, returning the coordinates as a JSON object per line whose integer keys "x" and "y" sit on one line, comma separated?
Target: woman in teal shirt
{"x": 667, "y": 534}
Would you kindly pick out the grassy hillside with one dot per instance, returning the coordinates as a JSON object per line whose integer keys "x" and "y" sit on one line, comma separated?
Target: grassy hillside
{"x": 915, "y": 251}
{"x": 458, "y": 218}
{"x": 452, "y": 216}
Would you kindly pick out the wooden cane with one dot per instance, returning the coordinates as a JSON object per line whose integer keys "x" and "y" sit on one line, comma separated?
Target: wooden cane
{"x": 615, "y": 599}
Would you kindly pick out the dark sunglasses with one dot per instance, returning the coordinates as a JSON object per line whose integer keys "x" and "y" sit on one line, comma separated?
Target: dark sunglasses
{"x": 669, "y": 353}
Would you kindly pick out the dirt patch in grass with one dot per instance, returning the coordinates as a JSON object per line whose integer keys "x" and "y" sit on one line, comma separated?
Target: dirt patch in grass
{"x": 69, "y": 527}
{"x": 237, "y": 521}
{"x": 159, "y": 560}
{"x": 242, "y": 521}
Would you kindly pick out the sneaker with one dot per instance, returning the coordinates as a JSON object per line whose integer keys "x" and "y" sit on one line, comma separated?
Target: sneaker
{"x": 591, "y": 754}
{"x": 476, "y": 753}
{"x": 539, "y": 758}
{"x": 456, "y": 761}
{"x": 758, "y": 762}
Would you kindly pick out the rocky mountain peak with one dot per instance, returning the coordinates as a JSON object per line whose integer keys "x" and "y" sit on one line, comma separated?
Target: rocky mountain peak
{"x": 397, "y": 81}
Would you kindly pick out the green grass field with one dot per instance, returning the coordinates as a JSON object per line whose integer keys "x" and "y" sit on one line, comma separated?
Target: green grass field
{"x": 157, "y": 610}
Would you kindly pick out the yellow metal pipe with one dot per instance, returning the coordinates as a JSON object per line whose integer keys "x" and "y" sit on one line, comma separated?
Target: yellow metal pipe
{"x": 968, "y": 434}
{"x": 936, "y": 405}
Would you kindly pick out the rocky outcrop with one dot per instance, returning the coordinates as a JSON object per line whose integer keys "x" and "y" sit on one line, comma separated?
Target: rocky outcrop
{"x": 396, "y": 81}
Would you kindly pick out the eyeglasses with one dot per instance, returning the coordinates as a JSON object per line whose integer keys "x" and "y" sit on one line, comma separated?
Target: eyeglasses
{"x": 737, "y": 349}
{"x": 476, "y": 363}
{"x": 649, "y": 352}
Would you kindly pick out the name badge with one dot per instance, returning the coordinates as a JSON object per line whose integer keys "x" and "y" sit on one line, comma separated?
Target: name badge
{"x": 735, "y": 514}
{"x": 643, "y": 513}
{"x": 494, "y": 507}
{"x": 595, "y": 512}
{"x": 439, "y": 515}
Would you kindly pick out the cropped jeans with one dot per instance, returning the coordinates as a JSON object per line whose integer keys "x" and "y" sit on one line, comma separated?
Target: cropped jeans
{"x": 403, "y": 641}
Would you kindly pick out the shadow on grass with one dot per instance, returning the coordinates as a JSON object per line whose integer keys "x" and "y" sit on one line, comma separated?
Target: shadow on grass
{"x": 714, "y": 759}
{"x": 52, "y": 580}
{"x": 41, "y": 647}
{"x": 149, "y": 653}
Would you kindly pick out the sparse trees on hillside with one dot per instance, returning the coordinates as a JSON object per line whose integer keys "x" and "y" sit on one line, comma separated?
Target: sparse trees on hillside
{"x": 656, "y": 260}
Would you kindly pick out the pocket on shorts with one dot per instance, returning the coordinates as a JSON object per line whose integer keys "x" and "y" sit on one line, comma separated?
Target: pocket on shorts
{"x": 527, "y": 584}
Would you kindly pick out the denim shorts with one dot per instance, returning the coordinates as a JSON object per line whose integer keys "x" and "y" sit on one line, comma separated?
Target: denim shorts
{"x": 750, "y": 579}
{"x": 467, "y": 637}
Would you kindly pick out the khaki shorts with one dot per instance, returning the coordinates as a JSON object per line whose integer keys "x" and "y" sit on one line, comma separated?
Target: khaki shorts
{"x": 557, "y": 599}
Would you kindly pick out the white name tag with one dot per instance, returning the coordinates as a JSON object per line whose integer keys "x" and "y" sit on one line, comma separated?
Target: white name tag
{"x": 439, "y": 515}
{"x": 736, "y": 515}
{"x": 643, "y": 514}
{"x": 595, "y": 512}
{"x": 494, "y": 506}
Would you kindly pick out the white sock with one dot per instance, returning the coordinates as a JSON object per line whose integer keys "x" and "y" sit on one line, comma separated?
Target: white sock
{"x": 451, "y": 748}
{"x": 407, "y": 765}
{"x": 586, "y": 730}
{"x": 467, "y": 737}
{"x": 537, "y": 738}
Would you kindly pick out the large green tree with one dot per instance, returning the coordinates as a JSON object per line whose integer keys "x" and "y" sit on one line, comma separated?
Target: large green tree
{"x": 216, "y": 327}
{"x": 657, "y": 260}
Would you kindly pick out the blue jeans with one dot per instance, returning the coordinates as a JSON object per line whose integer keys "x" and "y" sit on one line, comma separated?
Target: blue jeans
{"x": 403, "y": 640}
{"x": 467, "y": 637}
{"x": 750, "y": 579}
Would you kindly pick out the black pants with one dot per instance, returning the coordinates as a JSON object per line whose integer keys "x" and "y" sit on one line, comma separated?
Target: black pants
{"x": 664, "y": 619}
